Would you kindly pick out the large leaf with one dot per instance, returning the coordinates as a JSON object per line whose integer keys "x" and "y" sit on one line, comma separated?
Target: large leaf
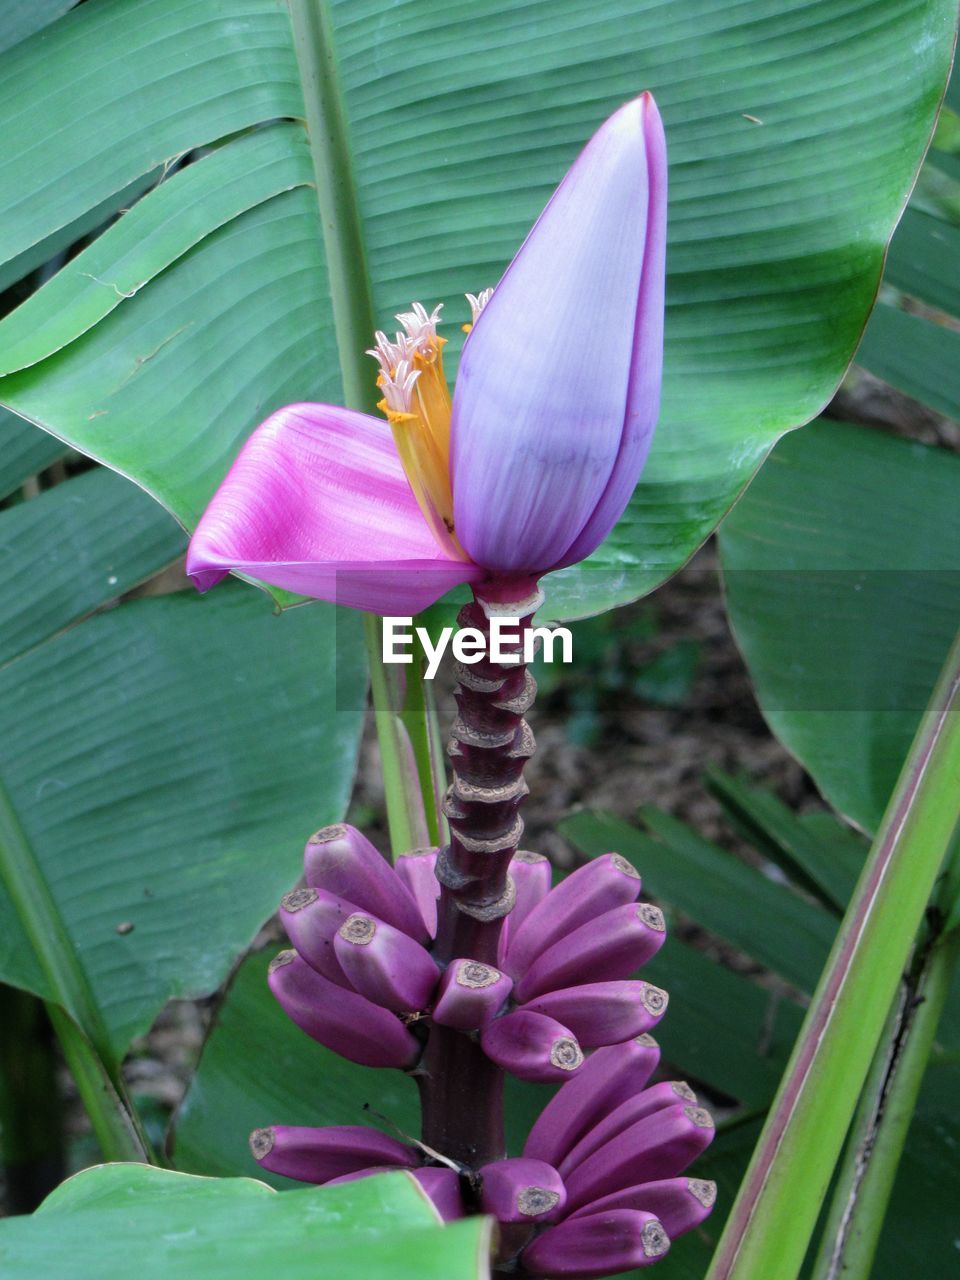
{"x": 717, "y": 889}
{"x": 179, "y": 215}
{"x": 842, "y": 572}
{"x": 25, "y": 452}
{"x": 117, "y": 1219}
{"x": 22, "y": 17}
{"x": 126, "y": 88}
{"x": 924, "y": 260}
{"x": 152, "y": 811}
{"x": 74, "y": 548}
{"x": 816, "y": 850}
{"x": 795, "y": 131}
{"x": 916, "y": 355}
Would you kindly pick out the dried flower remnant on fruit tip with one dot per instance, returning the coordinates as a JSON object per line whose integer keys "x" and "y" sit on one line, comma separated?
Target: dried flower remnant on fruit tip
{"x": 566, "y": 1054}
{"x": 476, "y": 976}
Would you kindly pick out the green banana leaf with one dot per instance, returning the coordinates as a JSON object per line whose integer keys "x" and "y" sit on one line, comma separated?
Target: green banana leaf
{"x": 152, "y": 808}
{"x": 162, "y": 1224}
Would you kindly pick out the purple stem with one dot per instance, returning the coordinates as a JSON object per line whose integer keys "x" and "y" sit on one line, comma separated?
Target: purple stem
{"x": 461, "y": 1090}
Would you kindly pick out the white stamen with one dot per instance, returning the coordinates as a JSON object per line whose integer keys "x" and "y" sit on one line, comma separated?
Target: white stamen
{"x": 389, "y": 354}
{"x": 398, "y": 387}
{"x": 478, "y": 302}
{"x": 420, "y": 325}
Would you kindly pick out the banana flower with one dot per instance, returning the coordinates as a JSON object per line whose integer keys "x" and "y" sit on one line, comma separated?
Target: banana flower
{"x": 531, "y": 463}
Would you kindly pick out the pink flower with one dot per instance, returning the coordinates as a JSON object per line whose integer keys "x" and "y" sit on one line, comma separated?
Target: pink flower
{"x": 529, "y": 466}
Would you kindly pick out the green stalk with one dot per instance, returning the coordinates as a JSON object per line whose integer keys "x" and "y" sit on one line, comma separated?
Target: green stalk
{"x": 113, "y": 1117}
{"x": 351, "y": 300}
{"x": 869, "y": 1167}
{"x": 82, "y": 1024}
{"x": 351, "y": 297}
{"x": 775, "y": 1212}
{"x": 401, "y": 777}
{"x": 419, "y": 716}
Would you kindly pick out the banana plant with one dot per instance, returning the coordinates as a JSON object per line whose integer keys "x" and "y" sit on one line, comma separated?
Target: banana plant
{"x": 234, "y": 200}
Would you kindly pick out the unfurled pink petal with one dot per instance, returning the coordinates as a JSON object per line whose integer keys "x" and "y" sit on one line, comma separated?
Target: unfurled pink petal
{"x": 318, "y": 503}
{"x": 558, "y": 388}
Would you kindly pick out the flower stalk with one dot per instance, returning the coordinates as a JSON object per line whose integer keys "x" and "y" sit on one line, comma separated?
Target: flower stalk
{"x": 461, "y": 1087}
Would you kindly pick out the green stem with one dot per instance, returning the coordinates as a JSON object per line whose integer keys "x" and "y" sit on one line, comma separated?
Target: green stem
{"x": 419, "y": 716}
{"x": 886, "y": 1109}
{"x": 773, "y": 1217}
{"x": 351, "y": 297}
{"x": 39, "y": 915}
{"x": 401, "y": 779}
{"x": 351, "y": 300}
{"x": 113, "y": 1117}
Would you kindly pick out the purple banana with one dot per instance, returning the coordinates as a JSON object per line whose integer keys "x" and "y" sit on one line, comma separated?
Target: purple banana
{"x": 385, "y": 965}
{"x": 607, "y": 1078}
{"x": 657, "y": 1098}
{"x": 532, "y": 876}
{"x": 311, "y": 918}
{"x": 532, "y": 1046}
{"x": 441, "y": 1186}
{"x": 680, "y": 1203}
{"x": 322, "y": 1155}
{"x": 589, "y": 892}
{"x": 471, "y": 995}
{"x": 612, "y": 945}
{"x": 417, "y": 870}
{"x": 522, "y": 1190}
{"x": 598, "y": 1245}
{"x": 339, "y": 1019}
{"x": 659, "y": 1146}
{"x": 601, "y": 1013}
{"x": 345, "y": 863}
